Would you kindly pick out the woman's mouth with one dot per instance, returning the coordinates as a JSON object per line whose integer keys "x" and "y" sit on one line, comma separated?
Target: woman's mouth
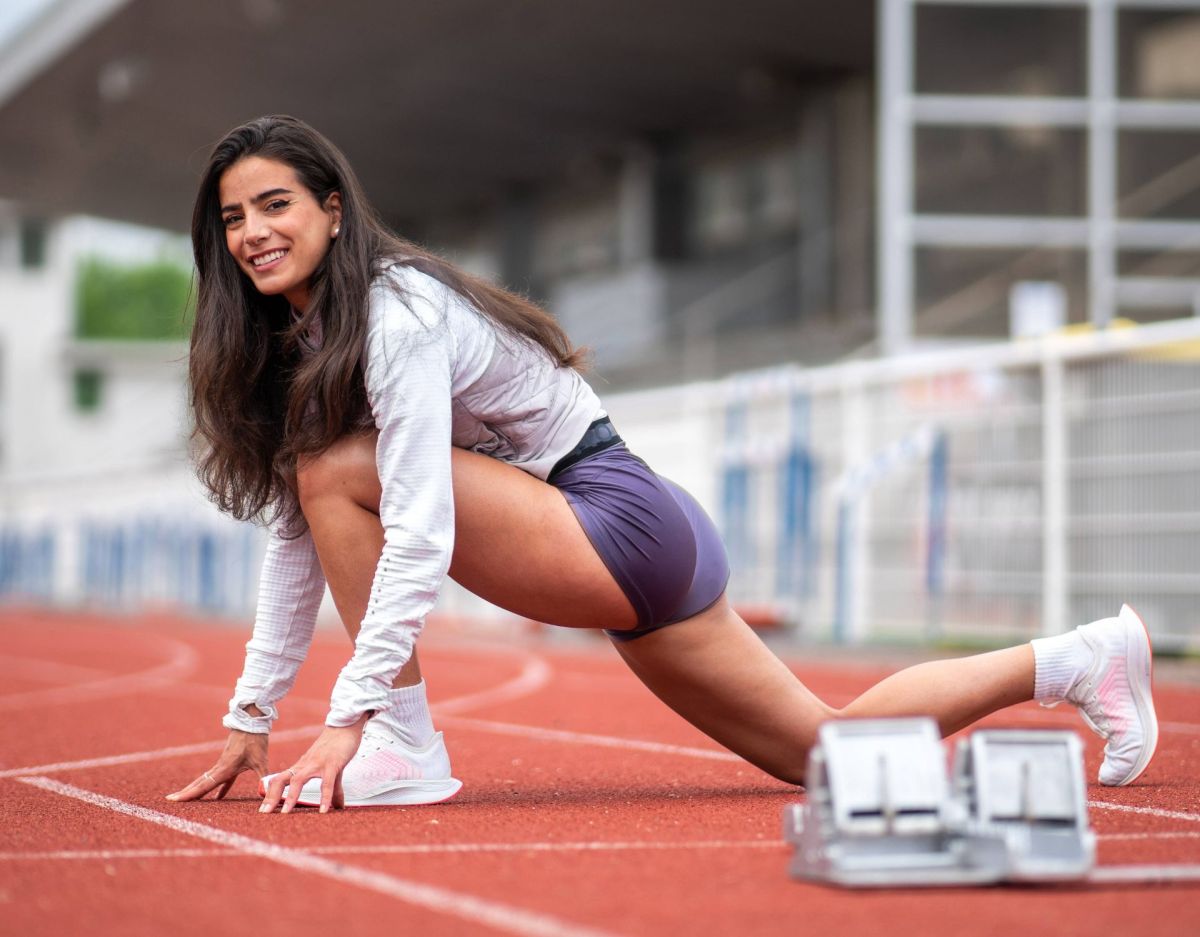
{"x": 268, "y": 260}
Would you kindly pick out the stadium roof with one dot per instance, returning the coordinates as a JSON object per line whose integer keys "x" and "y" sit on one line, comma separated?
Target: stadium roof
{"x": 109, "y": 107}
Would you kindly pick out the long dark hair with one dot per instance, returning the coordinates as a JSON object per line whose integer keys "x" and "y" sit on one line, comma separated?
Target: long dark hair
{"x": 259, "y": 405}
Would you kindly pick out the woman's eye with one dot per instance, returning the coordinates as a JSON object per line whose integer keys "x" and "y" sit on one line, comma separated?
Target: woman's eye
{"x": 276, "y": 204}
{"x": 231, "y": 220}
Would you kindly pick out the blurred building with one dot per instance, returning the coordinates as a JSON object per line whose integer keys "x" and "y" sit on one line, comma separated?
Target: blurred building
{"x": 691, "y": 187}
{"x": 71, "y": 406}
{"x": 698, "y": 189}
{"x": 687, "y": 185}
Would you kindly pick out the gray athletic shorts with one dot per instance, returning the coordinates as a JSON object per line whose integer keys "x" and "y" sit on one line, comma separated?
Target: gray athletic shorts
{"x": 661, "y": 548}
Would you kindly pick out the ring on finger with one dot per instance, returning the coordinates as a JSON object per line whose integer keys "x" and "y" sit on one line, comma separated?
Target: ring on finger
{"x": 210, "y": 777}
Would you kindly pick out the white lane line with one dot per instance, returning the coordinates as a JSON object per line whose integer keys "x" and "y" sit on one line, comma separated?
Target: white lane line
{"x": 105, "y": 855}
{"x": 83, "y": 855}
{"x": 181, "y": 664}
{"x": 1148, "y": 811}
{"x": 394, "y": 849}
{"x": 586, "y": 738}
{"x": 1149, "y": 874}
{"x": 534, "y": 675}
{"x": 174, "y": 751}
{"x": 595, "y": 846}
{"x": 47, "y": 671}
{"x": 468, "y": 907}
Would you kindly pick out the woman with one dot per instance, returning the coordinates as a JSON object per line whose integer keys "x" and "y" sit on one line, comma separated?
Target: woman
{"x": 395, "y": 419}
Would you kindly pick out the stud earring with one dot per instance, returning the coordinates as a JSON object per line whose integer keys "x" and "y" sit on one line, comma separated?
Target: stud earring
{"x": 337, "y": 230}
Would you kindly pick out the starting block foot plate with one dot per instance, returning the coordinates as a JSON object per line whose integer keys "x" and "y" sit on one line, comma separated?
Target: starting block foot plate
{"x": 881, "y": 810}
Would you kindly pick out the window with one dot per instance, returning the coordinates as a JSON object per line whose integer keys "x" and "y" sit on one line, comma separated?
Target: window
{"x": 32, "y": 239}
{"x": 89, "y": 390}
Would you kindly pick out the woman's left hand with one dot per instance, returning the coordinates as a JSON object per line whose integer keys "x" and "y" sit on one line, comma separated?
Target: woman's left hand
{"x": 329, "y": 754}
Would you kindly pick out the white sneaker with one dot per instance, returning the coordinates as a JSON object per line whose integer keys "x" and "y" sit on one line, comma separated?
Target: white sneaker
{"x": 1114, "y": 695}
{"x": 386, "y": 772}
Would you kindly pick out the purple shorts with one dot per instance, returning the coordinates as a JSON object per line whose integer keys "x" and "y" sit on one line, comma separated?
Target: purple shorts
{"x": 661, "y": 548}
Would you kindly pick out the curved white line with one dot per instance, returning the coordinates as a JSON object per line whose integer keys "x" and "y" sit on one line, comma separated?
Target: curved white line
{"x": 589, "y": 738}
{"x": 48, "y": 671}
{"x": 175, "y": 751}
{"x": 533, "y": 676}
{"x": 181, "y": 664}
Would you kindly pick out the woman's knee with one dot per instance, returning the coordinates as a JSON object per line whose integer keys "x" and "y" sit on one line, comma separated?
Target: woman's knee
{"x": 345, "y": 469}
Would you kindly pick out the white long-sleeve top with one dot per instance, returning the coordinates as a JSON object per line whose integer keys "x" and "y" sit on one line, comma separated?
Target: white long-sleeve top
{"x": 438, "y": 374}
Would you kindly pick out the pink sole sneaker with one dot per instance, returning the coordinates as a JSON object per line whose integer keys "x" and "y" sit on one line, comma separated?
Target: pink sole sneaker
{"x": 1116, "y": 696}
{"x": 397, "y": 794}
{"x": 388, "y": 772}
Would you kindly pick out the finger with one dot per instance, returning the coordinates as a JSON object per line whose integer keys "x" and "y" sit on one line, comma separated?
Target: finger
{"x": 194, "y": 791}
{"x": 339, "y": 795}
{"x": 295, "y": 785}
{"x": 275, "y": 792}
{"x": 189, "y": 791}
{"x": 225, "y": 788}
{"x": 330, "y": 782}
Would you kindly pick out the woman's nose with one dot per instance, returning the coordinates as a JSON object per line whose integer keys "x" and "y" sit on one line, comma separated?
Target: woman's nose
{"x": 257, "y": 229}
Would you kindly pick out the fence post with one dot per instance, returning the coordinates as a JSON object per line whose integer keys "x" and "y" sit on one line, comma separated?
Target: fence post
{"x": 935, "y": 560}
{"x": 1055, "y": 583}
{"x": 735, "y": 487}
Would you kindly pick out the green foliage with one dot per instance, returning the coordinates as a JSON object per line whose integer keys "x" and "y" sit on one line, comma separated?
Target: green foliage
{"x": 150, "y": 301}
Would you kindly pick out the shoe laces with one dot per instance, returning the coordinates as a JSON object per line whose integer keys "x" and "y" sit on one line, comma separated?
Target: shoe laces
{"x": 1083, "y": 693}
{"x": 374, "y": 739}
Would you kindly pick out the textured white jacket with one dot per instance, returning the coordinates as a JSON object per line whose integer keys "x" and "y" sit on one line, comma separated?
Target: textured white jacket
{"x": 438, "y": 374}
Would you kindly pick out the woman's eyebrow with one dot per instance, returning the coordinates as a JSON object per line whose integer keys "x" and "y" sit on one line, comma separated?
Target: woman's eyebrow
{"x": 262, "y": 196}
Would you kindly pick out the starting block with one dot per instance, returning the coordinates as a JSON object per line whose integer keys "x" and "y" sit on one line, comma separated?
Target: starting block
{"x": 1026, "y": 800}
{"x": 882, "y": 810}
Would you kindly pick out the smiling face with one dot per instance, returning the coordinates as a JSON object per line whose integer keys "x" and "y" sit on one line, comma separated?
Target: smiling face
{"x": 275, "y": 228}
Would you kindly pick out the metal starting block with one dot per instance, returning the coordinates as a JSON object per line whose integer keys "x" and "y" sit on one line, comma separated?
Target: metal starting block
{"x": 882, "y": 810}
{"x": 1026, "y": 801}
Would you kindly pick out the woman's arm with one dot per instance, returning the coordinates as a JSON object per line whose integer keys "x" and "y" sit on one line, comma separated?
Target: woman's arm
{"x": 290, "y": 590}
{"x": 409, "y": 385}
{"x": 410, "y": 367}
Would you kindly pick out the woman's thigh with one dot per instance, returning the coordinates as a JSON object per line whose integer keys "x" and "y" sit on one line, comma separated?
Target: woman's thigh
{"x": 517, "y": 543}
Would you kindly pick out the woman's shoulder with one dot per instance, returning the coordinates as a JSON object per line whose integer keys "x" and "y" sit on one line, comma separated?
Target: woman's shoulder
{"x": 402, "y": 296}
{"x": 396, "y": 279}
{"x": 405, "y": 300}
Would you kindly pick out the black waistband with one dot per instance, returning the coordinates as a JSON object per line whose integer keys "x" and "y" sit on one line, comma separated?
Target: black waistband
{"x": 599, "y": 436}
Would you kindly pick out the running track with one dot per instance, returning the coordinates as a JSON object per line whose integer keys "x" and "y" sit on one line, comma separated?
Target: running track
{"x": 588, "y": 807}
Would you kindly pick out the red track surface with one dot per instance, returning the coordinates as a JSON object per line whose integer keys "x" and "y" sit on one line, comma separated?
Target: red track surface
{"x": 588, "y": 807}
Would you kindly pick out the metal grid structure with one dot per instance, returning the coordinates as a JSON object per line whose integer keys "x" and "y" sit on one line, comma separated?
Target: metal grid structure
{"x": 1017, "y": 490}
{"x": 1101, "y": 113}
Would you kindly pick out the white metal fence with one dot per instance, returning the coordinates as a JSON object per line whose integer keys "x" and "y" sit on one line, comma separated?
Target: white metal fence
{"x": 138, "y": 537}
{"x": 985, "y": 494}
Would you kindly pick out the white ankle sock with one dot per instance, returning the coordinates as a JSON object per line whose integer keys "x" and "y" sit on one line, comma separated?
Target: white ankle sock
{"x": 408, "y": 715}
{"x": 1058, "y": 662}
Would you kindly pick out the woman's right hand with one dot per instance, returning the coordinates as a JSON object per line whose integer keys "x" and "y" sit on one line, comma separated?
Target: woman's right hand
{"x": 244, "y": 751}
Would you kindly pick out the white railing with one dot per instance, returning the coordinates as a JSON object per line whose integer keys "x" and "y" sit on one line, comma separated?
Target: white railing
{"x": 130, "y": 537}
{"x": 985, "y": 493}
